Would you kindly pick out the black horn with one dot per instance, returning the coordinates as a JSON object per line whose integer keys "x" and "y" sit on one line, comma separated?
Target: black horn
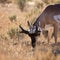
{"x": 29, "y": 24}
{"x": 23, "y": 30}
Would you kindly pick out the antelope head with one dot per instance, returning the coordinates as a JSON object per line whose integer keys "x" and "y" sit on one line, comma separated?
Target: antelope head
{"x": 33, "y": 32}
{"x": 34, "y": 28}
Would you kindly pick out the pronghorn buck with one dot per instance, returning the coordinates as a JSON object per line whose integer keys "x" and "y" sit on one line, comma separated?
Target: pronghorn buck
{"x": 51, "y": 15}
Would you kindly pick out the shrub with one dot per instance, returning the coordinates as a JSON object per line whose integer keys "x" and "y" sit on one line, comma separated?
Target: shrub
{"x": 21, "y": 4}
{"x": 12, "y": 18}
{"x": 58, "y": 1}
{"x": 14, "y": 33}
{"x": 39, "y": 5}
{"x": 48, "y": 1}
{"x": 3, "y": 1}
{"x": 11, "y": 33}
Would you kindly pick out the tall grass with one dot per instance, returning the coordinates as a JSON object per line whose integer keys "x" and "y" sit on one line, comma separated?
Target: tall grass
{"x": 14, "y": 33}
{"x": 21, "y": 4}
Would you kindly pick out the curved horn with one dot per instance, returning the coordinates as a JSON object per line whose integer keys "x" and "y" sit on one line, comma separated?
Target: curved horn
{"x": 23, "y": 30}
{"x": 29, "y": 24}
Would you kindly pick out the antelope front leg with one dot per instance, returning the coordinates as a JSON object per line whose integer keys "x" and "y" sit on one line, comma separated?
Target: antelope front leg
{"x": 55, "y": 33}
{"x": 48, "y": 38}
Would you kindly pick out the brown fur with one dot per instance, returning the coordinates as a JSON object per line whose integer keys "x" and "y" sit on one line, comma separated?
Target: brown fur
{"x": 46, "y": 18}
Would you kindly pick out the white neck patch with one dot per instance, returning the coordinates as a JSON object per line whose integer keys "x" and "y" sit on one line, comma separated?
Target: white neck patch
{"x": 57, "y": 18}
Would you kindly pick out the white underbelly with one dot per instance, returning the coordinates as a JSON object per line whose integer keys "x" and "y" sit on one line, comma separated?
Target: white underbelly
{"x": 57, "y": 18}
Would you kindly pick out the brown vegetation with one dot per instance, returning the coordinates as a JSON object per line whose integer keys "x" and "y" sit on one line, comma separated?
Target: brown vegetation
{"x": 19, "y": 46}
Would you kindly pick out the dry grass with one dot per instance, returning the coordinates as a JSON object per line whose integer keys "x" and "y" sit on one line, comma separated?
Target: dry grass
{"x": 20, "y": 49}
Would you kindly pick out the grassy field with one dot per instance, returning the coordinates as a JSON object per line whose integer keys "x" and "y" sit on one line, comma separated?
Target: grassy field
{"x": 16, "y": 46}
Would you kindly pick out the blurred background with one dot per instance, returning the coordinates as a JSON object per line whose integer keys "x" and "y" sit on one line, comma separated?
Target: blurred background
{"x": 16, "y": 46}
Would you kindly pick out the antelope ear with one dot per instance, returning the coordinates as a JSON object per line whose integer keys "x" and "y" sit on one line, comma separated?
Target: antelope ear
{"x": 29, "y": 24}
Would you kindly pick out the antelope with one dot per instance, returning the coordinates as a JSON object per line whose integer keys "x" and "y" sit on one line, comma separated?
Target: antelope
{"x": 50, "y": 15}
